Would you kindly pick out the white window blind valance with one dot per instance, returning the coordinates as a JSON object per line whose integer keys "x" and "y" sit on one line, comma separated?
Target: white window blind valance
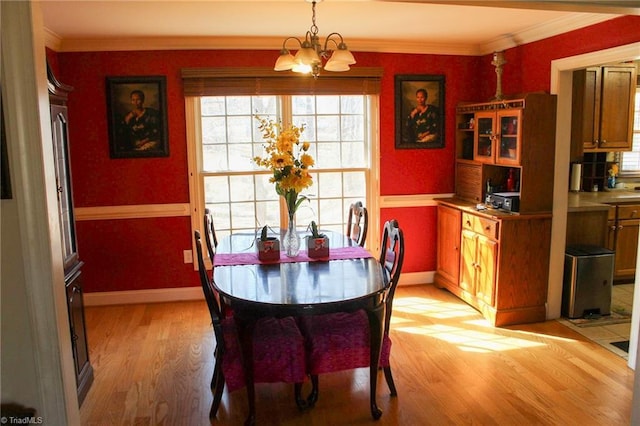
{"x": 231, "y": 81}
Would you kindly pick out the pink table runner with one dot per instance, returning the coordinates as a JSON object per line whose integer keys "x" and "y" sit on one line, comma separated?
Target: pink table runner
{"x": 342, "y": 253}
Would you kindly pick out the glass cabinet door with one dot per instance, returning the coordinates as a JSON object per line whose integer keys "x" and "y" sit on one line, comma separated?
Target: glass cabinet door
{"x": 484, "y": 145}
{"x": 508, "y": 149}
{"x": 63, "y": 180}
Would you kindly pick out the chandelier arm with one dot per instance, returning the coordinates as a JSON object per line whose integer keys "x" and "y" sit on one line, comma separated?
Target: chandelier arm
{"x": 328, "y": 39}
{"x": 290, "y": 38}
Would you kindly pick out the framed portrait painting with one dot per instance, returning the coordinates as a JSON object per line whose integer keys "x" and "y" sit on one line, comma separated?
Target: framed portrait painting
{"x": 137, "y": 115}
{"x": 419, "y": 103}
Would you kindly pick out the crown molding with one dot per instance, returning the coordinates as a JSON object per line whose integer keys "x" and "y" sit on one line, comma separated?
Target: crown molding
{"x": 52, "y": 40}
{"x": 546, "y": 30}
{"x": 506, "y": 41}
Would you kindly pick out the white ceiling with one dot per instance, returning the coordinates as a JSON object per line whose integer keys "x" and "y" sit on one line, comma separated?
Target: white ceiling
{"x": 418, "y": 26}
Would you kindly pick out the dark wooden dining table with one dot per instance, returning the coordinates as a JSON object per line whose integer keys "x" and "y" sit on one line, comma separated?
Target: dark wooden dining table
{"x": 349, "y": 280}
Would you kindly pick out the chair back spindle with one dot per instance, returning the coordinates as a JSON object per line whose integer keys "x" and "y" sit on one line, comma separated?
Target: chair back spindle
{"x": 210, "y": 233}
{"x": 391, "y": 259}
{"x": 207, "y": 287}
{"x": 357, "y": 223}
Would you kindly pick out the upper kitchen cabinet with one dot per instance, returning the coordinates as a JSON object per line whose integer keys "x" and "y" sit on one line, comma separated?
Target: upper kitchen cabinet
{"x": 507, "y": 146}
{"x": 602, "y": 114}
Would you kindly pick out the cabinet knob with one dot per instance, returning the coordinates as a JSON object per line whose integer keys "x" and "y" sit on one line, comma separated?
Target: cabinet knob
{"x": 620, "y": 227}
{"x": 634, "y": 213}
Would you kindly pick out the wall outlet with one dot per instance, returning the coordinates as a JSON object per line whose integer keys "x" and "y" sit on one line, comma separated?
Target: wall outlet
{"x": 188, "y": 256}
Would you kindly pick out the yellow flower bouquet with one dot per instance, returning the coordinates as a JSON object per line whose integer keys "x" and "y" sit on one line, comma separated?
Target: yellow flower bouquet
{"x": 289, "y": 161}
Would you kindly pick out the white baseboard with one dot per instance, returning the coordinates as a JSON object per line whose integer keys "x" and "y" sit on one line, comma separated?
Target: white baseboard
{"x": 158, "y": 295}
{"x": 128, "y": 297}
{"x": 415, "y": 278}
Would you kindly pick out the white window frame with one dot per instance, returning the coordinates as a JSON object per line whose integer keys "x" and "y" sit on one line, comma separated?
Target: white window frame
{"x": 196, "y": 182}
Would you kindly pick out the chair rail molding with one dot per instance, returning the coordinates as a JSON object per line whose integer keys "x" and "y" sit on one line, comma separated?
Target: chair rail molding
{"x": 140, "y": 211}
{"x": 415, "y": 200}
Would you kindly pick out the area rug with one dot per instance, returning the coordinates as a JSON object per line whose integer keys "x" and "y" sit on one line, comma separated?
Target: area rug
{"x": 624, "y": 345}
{"x": 618, "y": 316}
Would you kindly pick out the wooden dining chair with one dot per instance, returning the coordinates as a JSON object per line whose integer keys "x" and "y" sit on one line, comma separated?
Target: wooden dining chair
{"x": 357, "y": 223}
{"x": 341, "y": 341}
{"x": 210, "y": 238}
{"x": 278, "y": 347}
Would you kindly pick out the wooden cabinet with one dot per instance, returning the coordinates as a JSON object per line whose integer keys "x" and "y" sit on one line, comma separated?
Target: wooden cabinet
{"x": 479, "y": 254}
{"x": 448, "y": 250}
{"x": 624, "y": 227}
{"x": 516, "y": 137}
{"x": 75, "y": 304}
{"x": 588, "y": 227}
{"x": 502, "y": 258}
{"x": 58, "y": 93}
{"x": 503, "y": 261}
{"x": 602, "y": 114}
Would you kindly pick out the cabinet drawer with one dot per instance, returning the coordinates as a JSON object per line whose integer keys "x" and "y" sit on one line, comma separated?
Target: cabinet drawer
{"x": 480, "y": 225}
{"x": 629, "y": 212}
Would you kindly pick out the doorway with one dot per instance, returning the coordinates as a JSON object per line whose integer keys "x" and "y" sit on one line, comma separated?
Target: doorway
{"x": 561, "y": 84}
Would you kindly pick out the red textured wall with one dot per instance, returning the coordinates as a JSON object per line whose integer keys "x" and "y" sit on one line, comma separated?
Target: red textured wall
{"x": 145, "y": 254}
{"x": 101, "y": 181}
{"x": 528, "y": 67}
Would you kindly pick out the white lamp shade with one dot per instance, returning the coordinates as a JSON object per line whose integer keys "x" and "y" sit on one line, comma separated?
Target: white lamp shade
{"x": 285, "y": 62}
{"x": 307, "y": 56}
{"x": 336, "y": 66}
{"x": 343, "y": 55}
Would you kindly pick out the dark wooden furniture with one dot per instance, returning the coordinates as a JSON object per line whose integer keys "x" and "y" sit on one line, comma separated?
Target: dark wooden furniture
{"x": 340, "y": 341}
{"x": 58, "y": 94}
{"x": 210, "y": 237}
{"x": 498, "y": 261}
{"x": 358, "y": 223}
{"x": 278, "y": 344}
{"x": 254, "y": 291}
{"x": 602, "y": 115}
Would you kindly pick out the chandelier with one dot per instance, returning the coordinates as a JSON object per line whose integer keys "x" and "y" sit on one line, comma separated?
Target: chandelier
{"x": 308, "y": 59}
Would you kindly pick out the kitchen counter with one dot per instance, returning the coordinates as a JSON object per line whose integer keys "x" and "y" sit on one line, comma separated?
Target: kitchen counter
{"x": 601, "y": 200}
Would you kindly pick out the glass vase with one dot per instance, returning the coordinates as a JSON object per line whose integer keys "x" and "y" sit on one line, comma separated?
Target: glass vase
{"x": 611, "y": 182}
{"x": 291, "y": 239}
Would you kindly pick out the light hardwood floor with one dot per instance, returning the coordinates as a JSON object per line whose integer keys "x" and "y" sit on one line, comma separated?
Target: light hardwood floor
{"x": 153, "y": 365}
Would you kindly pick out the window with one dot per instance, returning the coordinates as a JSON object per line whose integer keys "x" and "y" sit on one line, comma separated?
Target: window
{"x": 225, "y": 137}
{"x": 630, "y": 161}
